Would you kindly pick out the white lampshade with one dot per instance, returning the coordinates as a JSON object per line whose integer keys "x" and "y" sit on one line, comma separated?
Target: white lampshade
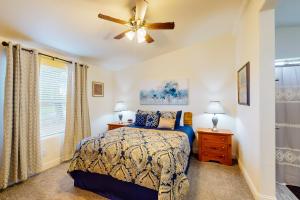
{"x": 141, "y": 33}
{"x": 215, "y": 107}
{"x": 130, "y": 35}
{"x": 120, "y": 106}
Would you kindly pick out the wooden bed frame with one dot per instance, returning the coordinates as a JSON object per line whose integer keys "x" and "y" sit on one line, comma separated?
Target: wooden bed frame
{"x": 188, "y": 119}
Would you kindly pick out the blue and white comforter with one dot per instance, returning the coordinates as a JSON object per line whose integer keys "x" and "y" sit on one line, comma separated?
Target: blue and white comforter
{"x": 154, "y": 159}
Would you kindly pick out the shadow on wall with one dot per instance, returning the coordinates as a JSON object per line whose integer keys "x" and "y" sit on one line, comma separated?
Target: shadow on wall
{"x": 99, "y": 125}
{"x": 7, "y": 31}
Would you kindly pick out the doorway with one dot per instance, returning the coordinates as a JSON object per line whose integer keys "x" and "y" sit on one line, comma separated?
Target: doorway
{"x": 287, "y": 70}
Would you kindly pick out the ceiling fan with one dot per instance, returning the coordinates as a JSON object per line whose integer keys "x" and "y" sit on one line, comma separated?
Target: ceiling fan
{"x": 137, "y": 26}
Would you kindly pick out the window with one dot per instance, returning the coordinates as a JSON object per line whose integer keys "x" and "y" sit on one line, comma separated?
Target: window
{"x": 53, "y": 93}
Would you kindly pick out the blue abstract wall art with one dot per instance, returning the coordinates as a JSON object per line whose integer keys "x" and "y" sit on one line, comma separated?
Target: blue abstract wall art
{"x": 171, "y": 92}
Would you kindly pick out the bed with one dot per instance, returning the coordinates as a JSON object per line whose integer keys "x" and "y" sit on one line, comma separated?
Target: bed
{"x": 135, "y": 163}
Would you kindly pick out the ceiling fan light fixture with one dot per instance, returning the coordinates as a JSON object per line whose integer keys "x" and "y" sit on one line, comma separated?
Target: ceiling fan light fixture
{"x": 141, "y": 33}
{"x": 137, "y": 26}
{"x": 141, "y": 39}
{"x": 130, "y": 35}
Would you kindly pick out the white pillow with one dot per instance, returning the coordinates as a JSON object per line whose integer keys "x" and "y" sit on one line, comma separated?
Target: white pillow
{"x": 166, "y": 123}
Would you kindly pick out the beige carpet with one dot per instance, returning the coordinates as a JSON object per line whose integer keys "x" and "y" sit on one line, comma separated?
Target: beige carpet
{"x": 208, "y": 181}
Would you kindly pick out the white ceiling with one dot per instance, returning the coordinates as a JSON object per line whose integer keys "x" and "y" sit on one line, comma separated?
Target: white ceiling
{"x": 72, "y": 26}
{"x": 288, "y": 13}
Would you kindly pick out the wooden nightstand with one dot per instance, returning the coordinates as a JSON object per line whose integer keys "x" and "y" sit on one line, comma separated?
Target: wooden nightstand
{"x": 215, "y": 146}
{"x": 115, "y": 125}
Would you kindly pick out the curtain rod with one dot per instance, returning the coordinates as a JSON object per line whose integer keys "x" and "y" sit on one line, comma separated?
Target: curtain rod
{"x": 288, "y": 65}
{"x": 42, "y": 54}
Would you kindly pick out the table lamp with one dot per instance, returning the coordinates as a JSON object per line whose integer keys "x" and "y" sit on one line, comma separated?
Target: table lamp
{"x": 120, "y": 107}
{"x": 215, "y": 107}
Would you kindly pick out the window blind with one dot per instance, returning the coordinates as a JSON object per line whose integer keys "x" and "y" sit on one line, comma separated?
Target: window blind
{"x": 53, "y": 93}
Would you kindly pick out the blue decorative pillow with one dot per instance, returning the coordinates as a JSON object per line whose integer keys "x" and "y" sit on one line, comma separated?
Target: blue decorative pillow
{"x": 152, "y": 120}
{"x": 140, "y": 119}
{"x": 178, "y": 117}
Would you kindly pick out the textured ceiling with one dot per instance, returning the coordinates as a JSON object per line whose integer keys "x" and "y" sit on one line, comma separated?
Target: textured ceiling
{"x": 72, "y": 26}
{"x": 288, "y": 13}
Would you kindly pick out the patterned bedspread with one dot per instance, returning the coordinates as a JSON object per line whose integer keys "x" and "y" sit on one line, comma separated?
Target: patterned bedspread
{"x": 155, "y": 159}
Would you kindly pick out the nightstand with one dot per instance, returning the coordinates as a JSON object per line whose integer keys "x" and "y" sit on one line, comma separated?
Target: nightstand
{"x": 215, "y": 146}
{"x": 115, "y": 125}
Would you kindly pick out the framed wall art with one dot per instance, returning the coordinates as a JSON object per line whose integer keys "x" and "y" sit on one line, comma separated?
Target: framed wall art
{"x": 169, "y": 92}
{"x": 98, "y": 89}
{"x": 244, "y": 85}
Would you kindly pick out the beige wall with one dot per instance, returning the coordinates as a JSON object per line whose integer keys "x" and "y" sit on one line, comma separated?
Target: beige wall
{"x": 100, "y": 107}
{"x": 256, "y": 123}
{"x": 247, "y": 121}
{"x": 267, "y": 102}
{"x": 209, "y": 69}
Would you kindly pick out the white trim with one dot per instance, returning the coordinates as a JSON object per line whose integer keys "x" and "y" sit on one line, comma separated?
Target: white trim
{"x": 248, "y": 180}
{"x": 256, "y": 194}
{"x": 51, "y": 163}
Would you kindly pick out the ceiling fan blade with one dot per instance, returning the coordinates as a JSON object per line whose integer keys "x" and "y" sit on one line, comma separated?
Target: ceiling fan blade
{"x": 148, "y": 38}
{"x": 112, "y": 19}
{"x": 140, "y": 9}
{"x": 166, "y": 25}
{"x": 120, "y": 36}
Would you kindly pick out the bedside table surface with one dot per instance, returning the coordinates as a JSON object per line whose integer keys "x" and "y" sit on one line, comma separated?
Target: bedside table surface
{"x": 210, "y": 131}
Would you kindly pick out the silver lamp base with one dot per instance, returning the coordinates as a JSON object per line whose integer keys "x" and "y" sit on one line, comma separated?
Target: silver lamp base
{"x": 215, "y": 123}
{"x": 120, "y": 118}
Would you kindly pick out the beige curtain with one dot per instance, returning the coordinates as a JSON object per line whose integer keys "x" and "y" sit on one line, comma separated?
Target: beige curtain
{"x": 77, "y": 119}
{"x": 21, "y": 135}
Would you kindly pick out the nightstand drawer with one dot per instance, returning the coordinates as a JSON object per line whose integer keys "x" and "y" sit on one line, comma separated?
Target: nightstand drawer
{"x": 114, "y": 126}
{"x": 214, "y": 138}
{"x": 208, "y": 156}
{"x": 214, "y": 147}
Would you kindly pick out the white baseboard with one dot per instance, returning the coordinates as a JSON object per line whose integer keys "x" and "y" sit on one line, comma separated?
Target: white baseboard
{"x": 256, "y": 194}
{"x": 50, "y": 164}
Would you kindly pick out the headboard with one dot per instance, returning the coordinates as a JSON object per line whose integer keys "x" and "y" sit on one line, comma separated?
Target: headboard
{"x": 188, "y": 119}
